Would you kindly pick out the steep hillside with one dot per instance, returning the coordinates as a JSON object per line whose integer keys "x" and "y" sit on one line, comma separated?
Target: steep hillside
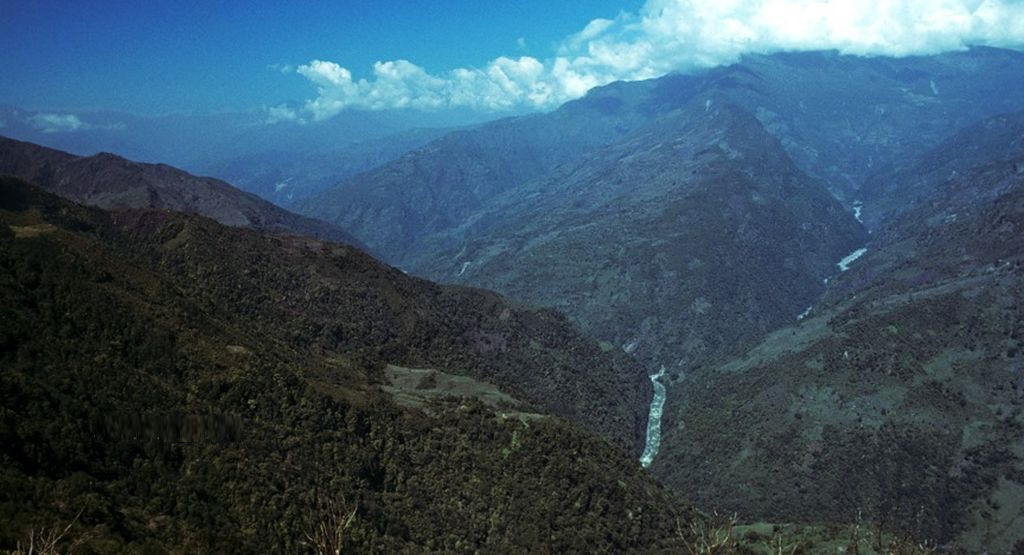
{"x": 844, "y": 118}
{"x": 897, "y": 189}
{"x": 690, "y": 235}
{"x": 328, "y": 298}
{"x": 840, "y": 118}
{"x": 109, "y": 181}
{"x": 439, "y": 186}
{"x": 174, "y": 389}
{"x": 498, "y": 192}
{"x": 899, "y": 398}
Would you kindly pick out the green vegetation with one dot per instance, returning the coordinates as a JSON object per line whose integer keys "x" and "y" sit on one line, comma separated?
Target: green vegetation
{"x": 900, "y": 399}
{"x": 686, "y": 239}
{"x": 154, "y": 389}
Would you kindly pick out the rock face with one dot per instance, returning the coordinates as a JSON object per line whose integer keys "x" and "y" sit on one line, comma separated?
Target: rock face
{"x": 111, "y": 182}
{"x": 150, "y": 357}
{"x": 899, "y": 397}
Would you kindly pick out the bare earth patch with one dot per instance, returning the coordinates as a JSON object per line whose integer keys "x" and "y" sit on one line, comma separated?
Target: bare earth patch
{"x": 29, "y": 231}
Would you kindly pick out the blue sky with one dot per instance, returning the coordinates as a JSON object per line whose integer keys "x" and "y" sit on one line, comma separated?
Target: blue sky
{"x": 157, "y": 55}
{"x": 306, "y": 61}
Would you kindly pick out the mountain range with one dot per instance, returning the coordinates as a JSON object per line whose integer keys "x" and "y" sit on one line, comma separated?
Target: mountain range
{"x": 792, "y": 283}
{"x": 807, "y": 101}
{"x": 657, "y": 243}
{"x": 283, "y": 384}
{"x": 489, "y": 206}
{"x": 280, "y": 160}
{"x": 108, "y": 181}
{"x": 692, "y": 220}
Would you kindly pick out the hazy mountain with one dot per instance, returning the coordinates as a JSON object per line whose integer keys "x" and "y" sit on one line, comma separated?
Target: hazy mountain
{"x": 899, "y": 398}
{"x": 112, "y": 182}
{"x": 285, "y": 177}
{"x": 657, "y": 243}
{"x": 844, "y": 118}
{"x": 899, "y": 188}
{"x": 287, "y": 365}
{"x": 443, "y": 184}
{"x": 539, "y": 207}
{"x": 247, "y": 149}
{"x": 841, "y": 118}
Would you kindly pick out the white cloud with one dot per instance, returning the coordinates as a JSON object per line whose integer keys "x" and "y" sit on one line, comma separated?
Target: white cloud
{"x": 58, "y": 123}
{"x": 673, "y": 35}
{"x": 283, "y": 112}
{"x": 65, "y": 123}
{"x": 505, "y": 83}
{"x": 281, "y": 68}
{"x": 62, "y": 123}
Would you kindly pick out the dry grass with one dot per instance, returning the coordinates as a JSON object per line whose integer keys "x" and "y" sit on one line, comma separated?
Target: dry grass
{"x": 48, "y": 541}
{"x": 709, "y": 536}
{"x": 327, "y": 535}
{"x": 29, "y": 231}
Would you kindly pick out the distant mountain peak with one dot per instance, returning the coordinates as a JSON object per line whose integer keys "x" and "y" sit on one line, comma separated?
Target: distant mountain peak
{"x": 107, "y": 180}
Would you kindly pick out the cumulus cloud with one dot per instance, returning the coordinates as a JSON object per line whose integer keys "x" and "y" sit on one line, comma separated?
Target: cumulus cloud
{"x": 673, "y": 35}
{"x": 504, "y": 84}
{"x": 57, "y": 123}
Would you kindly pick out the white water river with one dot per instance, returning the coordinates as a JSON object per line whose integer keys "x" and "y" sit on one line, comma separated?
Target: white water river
{"x": 654, "y": 420}
{"x": 844, "y": 264}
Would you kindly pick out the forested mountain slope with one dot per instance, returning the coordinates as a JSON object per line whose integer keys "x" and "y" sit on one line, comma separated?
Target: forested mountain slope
{"x": 691, "y": 235}
{"x": 175, "y": 390}
{"x": 112, "y": 182}
{"x": 899, "y": 398}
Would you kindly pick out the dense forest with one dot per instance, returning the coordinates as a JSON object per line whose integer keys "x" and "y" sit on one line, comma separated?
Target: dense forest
{"x": 157, "y": 412}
